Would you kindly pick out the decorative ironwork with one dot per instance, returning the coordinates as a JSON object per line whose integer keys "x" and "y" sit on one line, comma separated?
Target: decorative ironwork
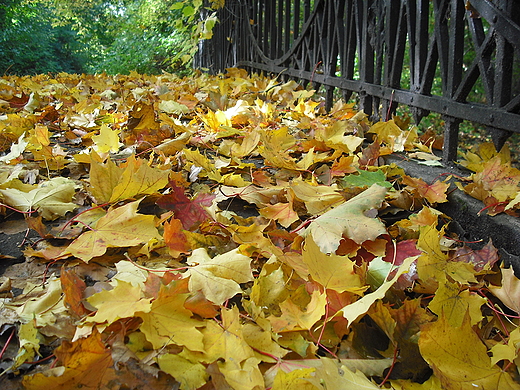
{"x": 454, "y": 57}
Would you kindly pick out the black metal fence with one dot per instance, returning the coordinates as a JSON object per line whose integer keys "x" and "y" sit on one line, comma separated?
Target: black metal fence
{"x": 458, "y": 58}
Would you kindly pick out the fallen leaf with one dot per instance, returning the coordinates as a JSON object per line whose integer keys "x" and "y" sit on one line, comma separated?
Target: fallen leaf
{"x": 73, "y": 288}
{"x": 454, "y": 303}
{"x": 507, "y": 351}
{"x": 175, "y": 238}
{"x": 446, "y": 349}
{"x": 191, "y": 375}
{"x": 317, "y": 198}
{"x": 218, "y": 277}
{"x": 509, "y": 292}
{"x": 349, "y": 219}
{"x": 80, "y": 360}
{"x": 123, "y": 301}
{"x": 29, "y": 344}
{"x": 433, "y": 193}
{"x": 331, "y": 375}
{"x": 188, "y": 211}
{"x": 226, "y": 340}
{"x": 367, "y": 179}
{"x": 52, "y": 198}
{"x": 353, "y": 311}
{"x": 169, "y": 322}
{"x": 295, "y": 317}
{"x": 120, "y": 227}
{"x": 482, "y": 259}
{"x": 107, "y": 140}
{"x": 331, "y": 271}
{"x": 111, "y": 184}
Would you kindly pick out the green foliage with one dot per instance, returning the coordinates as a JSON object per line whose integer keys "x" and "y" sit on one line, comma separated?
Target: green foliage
{"x": 144, "y": 39}
{"x": 29, "y": 44}
{"x": 112, "y": 36}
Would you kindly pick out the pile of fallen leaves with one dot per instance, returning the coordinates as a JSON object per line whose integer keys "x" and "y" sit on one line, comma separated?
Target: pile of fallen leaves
{"x": 227, "y": 233}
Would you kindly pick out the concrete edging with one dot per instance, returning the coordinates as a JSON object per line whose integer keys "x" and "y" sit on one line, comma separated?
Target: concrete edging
{"x": 503, "y": 229}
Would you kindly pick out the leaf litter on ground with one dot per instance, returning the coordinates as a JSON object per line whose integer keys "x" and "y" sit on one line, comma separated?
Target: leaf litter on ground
{"x": 225, "y": 232}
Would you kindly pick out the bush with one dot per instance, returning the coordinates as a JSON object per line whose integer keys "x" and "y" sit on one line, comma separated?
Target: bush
{"x": 29, "y": 44}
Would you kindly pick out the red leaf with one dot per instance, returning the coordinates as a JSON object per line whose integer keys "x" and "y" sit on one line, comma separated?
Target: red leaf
{"x": 189, "y": 211}
{"x": 488, "y": 255}
{"x": 404, "y": 250}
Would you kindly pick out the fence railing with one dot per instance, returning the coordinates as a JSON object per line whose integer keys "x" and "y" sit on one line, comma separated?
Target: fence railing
{"x": 458, "y": 58}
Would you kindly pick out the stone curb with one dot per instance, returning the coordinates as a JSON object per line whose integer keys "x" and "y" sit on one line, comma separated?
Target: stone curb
{"x": 503, "y": 229}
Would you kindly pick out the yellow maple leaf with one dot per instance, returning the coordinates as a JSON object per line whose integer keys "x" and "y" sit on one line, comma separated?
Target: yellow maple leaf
{"x": 251, "y": 194}
{"x": 353, "y": 311}
{"x": 433, "y": 264}
{"x": 507, "y": 351}
{"x": 349, "y": 218}
{"x": 331, "y": 271}
{"x": 110, "y": 183}
{"x": 317, "y": 198}
{"x": 120, "y": 227}
{"x": 191, "y": 375}
{"x": 334, "y": 375}
{"x": 45, "y": 304}
{"x": 29, "y": 344}
{"x": 87, "y": 364}
{"x": 334, "y": 136}
{"x": 294, "y": 380}
{"x": 260, "y": 337}
{"x": 226, "y": 341}
{"x": 433, "y": 383}
{"x": 391, "y": 134}
{"x": 124, "y": 300}
{"x": 199, "y": 160}
{"x": 242, "y": 376}
{"x": 218, "y": 277}
{"x": 246, "y": 147}
{"x": 269, "y": 288}
{"x": 52, "y": 198}
{"x": 169, "y": 322}
{"x": 103, "y": 178}
{"x": 39, "y": 137}
{"x": 16, "y": 150}
{"x": 509, "y": 292}
{"x": 454, "y": 303}
{"x": 281, "y": 212}
{"x": 294, "y": 317}
{"x": 107, "y": 140}
{"x": 459, "y": 358}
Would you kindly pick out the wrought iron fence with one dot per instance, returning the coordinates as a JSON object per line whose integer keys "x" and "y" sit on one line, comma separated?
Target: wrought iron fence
{"x": 458, "y": 58}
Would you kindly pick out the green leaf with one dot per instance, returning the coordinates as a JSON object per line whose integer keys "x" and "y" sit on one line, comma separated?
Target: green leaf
{"x": 367, "y": 178}
{"x": 188, "y": 10}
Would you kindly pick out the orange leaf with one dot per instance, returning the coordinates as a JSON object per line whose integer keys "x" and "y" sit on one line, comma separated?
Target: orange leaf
{"x": 175, "y": 238}
{"x": 433, "y": 193}
{"x": 73, "y": 287}
{"x": 281, "y": 212}
{"x": 87, "y": 364}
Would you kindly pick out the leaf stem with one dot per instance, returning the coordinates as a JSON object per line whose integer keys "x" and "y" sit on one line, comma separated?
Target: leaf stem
{"x": 7, "y": 342}
{"x": 394, "y": 360}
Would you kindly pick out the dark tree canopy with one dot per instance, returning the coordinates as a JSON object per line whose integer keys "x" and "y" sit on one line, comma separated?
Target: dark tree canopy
{"x": 92, "y": 36}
